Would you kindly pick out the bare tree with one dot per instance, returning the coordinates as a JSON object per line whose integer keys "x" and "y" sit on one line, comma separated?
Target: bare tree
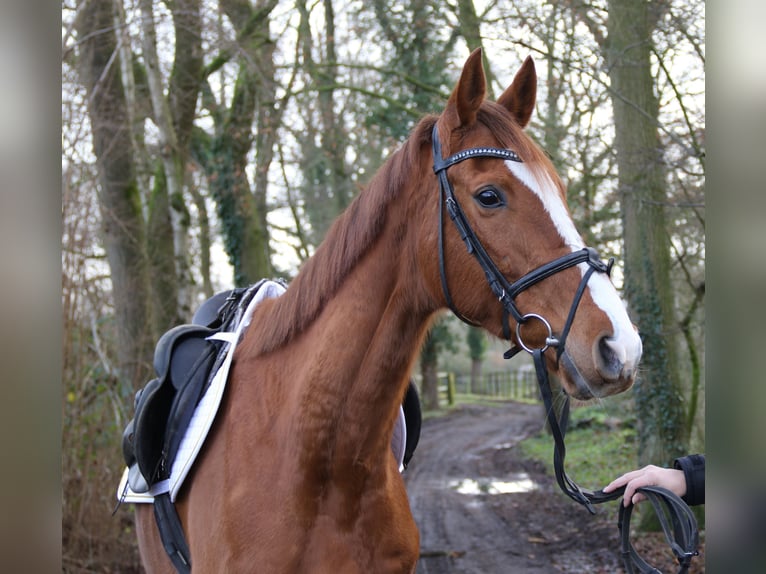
{"x": 122, "y": 220}
{"x": 327, "y": 188}
{"x": 166, "y": 232}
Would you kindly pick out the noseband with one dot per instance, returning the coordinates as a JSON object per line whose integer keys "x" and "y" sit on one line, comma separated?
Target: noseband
{"x": 684, "y": 537}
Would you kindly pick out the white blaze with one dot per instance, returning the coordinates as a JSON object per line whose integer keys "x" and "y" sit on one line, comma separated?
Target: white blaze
{"x": 601, "y": 289}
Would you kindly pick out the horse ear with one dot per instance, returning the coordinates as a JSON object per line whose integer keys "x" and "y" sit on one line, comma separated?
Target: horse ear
{"x": 468, "y": 94}
{"x": 519, "y": 98}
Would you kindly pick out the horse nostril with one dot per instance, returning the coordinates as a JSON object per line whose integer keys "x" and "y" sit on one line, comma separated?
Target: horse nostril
{"x": 610, "y": 358}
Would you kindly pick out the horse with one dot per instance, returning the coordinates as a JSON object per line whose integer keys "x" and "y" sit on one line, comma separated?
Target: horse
{"x": 297, "y": 473}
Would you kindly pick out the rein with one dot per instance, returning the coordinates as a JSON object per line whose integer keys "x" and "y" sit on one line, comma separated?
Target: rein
{"x": 676, "y": 518}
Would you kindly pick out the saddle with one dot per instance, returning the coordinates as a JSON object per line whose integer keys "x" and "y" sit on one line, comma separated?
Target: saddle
{"x": 184, "y": 361}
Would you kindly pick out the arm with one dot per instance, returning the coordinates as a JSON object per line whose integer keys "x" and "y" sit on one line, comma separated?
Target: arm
{"x": 693, "y": 467}
{"x": 687, "y": 480}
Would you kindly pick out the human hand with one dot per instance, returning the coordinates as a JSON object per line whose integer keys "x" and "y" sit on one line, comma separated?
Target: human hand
{"x": 670, "y": 478}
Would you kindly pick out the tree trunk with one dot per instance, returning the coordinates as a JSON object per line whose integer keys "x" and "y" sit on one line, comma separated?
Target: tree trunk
{"x": 328, "y": 189}
{"x": 642, "y": 188}
{"x": 163, "y": 276}
{"x": 203, "y": 222}
{"x": 477, "y": 346}
{"x": 695, "y": 362}
{"x": 269, "y": 118}
{"x": 430, "y": 385}
{"x": 168, "y": 191}
{"x": 475, "y": 375}
{"x": 136, "y": 115}
{"x": 122, "y": 221}
{"x": 470, "y": 29}
{"x": 226, "y": 156}
{"x": 183, "y": 92}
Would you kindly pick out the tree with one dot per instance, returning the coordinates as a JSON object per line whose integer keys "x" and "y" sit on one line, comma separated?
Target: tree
{"x": 439, "y": 339}
{"x": 224, "y": 155}
{"x": 327, "y": 187}
{"x": 470, "y": 29}
{"x": 120, "y": 203}
{"x": 417, "y": 57}
{"x": 643, "y": 194}
{"x": 642, "y": 185}
{"x": 477, "y": 347}
{"x": 173, "y": 116}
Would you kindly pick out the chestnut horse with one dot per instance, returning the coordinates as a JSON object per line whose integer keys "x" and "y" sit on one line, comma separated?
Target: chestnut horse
{"x": 297, "y": 474}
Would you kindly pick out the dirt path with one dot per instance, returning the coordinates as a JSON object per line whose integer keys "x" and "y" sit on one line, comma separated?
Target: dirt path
{"x": 462, "y": 485}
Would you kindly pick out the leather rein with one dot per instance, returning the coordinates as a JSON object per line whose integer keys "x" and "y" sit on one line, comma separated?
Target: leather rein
{"x": 676, "y": 518}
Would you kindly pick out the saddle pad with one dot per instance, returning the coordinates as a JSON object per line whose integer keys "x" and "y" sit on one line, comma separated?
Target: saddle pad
{"x": 205, "y": 412}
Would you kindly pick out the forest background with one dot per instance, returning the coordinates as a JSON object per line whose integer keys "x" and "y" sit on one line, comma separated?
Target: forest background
{"x": 209, "y": 144}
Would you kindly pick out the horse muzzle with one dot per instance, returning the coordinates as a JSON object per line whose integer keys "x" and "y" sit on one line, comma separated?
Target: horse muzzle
{"x": 614, "y": 368}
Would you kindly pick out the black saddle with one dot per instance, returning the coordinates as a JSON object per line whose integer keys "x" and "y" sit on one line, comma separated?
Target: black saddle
{"x": 184, "y": 361}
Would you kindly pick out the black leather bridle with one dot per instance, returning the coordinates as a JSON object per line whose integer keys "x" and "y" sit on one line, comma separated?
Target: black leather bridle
{"x": 505, "y": 292}
{"x": 676, "y": 518}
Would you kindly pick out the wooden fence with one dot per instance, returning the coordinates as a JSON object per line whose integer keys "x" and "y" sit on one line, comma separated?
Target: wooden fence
{"x": 517, "y": 384}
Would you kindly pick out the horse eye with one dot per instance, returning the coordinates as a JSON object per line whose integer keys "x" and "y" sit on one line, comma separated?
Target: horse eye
{"x": 490, "y": 197}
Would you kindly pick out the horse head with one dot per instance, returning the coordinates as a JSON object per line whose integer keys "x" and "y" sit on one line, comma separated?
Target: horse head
{"x": 513, "y": 262}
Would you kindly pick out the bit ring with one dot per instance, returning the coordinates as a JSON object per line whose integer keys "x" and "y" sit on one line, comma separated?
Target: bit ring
{"x": 550, "y": 340}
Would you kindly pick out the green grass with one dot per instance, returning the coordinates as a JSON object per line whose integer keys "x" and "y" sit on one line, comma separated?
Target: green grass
{"x": 599, "y": 448}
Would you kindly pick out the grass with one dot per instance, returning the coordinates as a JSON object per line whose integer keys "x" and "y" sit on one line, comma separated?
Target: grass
{"x": 599, "y": 447}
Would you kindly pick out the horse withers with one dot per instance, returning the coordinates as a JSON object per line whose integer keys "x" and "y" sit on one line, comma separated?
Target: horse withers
{"x": 297, "y": 473}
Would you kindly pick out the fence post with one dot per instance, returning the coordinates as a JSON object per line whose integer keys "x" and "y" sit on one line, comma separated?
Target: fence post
{"x": 451, "y": 389}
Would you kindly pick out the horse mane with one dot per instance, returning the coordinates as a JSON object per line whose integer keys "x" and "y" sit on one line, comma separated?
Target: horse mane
{"x": 354, "y": 232}
{"x": 349, "y": 238}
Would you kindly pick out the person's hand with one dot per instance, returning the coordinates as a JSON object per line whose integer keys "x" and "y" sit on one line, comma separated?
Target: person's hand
{"x": 670, "y": 478}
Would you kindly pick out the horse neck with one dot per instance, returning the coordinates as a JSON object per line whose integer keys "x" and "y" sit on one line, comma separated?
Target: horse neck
{"x": 344, "y": 374}
{"x": 364, "y": 343}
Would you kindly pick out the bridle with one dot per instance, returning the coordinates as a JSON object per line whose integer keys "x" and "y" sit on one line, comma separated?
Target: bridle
{"x": 505, "y": 292}
{"x": 684, "y": 537}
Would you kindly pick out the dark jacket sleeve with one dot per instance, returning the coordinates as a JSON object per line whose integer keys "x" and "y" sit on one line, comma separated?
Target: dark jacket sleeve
{"x": 694, "y": 471}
